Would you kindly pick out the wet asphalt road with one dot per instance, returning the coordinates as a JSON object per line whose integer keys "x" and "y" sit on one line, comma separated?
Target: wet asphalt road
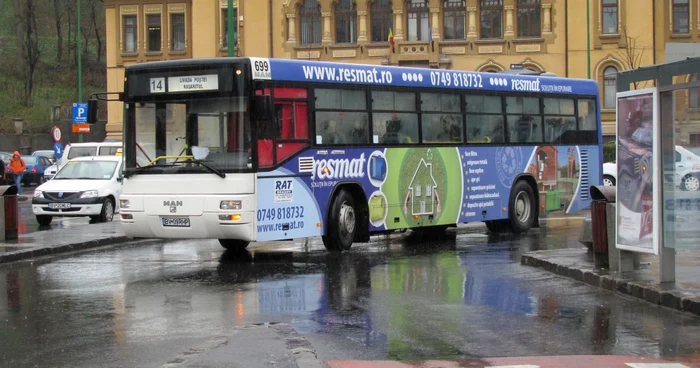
{"x": 400, "y": 297}
{"x": 27, "y": 221}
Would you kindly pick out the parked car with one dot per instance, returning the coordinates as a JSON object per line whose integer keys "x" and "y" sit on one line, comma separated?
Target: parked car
{"x": 74, "y": 150}
{"x": 45, "y": 153}
{"x": 5, "y": 158}
{"x": 85, "y": 186}
{"x": 34, "y": 173}
{"x": 686, "y": 175}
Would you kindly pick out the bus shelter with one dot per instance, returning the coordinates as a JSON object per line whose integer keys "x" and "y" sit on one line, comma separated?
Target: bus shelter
{"x": 658, "y": 162}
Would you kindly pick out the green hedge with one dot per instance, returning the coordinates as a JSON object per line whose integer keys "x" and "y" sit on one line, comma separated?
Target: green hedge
{"x": 609, "y": 151}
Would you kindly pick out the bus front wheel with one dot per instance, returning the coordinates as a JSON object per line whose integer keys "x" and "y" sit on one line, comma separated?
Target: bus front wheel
{"x": 342, "y": 223}
{"x": 234, "y": 245}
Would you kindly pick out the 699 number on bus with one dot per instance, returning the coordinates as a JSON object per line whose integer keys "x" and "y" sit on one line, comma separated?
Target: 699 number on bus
{"x": 281, "y": 213}
{"x": 261, "y": 68}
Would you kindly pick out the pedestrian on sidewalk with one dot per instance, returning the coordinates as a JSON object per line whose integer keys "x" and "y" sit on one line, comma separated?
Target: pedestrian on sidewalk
{"x": 17, "y": 166}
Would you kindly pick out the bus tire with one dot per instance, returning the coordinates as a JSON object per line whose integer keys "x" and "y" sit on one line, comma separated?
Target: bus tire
{"x": 342, "y": 223}
{"x": 521, "y": 207}
{"x": 234, "y": 245}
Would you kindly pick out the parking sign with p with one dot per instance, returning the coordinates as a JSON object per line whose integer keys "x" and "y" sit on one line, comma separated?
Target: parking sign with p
{"x": 80, "y": 118}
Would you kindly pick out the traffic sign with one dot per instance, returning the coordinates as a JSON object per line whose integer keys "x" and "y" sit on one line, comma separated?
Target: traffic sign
{"x": 58, "y": 149}
{"x": 81, "y": 128}
{"x": 56, "y": 134}
{"x": 80, "y": 113}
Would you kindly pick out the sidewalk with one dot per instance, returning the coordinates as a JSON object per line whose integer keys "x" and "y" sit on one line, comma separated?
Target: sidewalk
{"x": 578, "y": 264}
{"x": 42, "y": 243}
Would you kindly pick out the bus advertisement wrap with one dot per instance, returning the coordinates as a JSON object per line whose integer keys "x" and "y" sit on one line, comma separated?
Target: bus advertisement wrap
{"x": 301, "y": 71}
{"x": 409, "y": 187}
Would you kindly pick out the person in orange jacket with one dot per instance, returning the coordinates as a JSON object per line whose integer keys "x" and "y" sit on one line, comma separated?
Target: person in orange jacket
{"x": 17, "y": 166}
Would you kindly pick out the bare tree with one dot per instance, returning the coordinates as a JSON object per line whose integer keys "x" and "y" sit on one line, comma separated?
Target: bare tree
{"x": 632, "y": 54}
{"x": 58, "y": 15}
{"x": 30, "y": 45}
{"x": 96, "y": 28}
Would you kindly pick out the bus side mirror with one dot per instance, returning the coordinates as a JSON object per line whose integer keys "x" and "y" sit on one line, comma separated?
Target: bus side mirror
{"x": 262, "y": 108}
{"x": 92, "y": 112}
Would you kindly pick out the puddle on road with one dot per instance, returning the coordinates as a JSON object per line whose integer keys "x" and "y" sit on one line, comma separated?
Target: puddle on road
{"x": 398, "y": 298}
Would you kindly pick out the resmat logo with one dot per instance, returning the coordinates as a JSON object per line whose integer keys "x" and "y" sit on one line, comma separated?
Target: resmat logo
{"x": 339, "y": 168}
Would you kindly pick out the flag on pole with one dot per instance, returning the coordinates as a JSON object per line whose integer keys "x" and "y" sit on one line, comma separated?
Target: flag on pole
{"x": 391, "y": 40}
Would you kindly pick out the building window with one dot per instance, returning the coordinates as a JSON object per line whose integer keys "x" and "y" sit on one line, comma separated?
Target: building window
{"x": 529, "y": 24}
{"x": 418, "y": 20}
{"x": 224, "y": 22}
{"x": 154, "y": 32}
{"x": 454, "y": 15}
{"x": 345, "y": 22}
{"x": 381, "y": 19}
{"x": 610, "y": 86}
{"x": 130, "y": 36}
{"x": 491, "y": 19}
{"x": 310, "y": 14}
{"x": 610, "y": 16}
{"x": 693, "y": 95}
{"x": 177, "y": 29}
{"x": 681, "y": 12}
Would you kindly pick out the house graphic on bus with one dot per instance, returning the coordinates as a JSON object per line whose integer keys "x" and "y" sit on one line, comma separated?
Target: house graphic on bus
{"x": 422, "y": 188}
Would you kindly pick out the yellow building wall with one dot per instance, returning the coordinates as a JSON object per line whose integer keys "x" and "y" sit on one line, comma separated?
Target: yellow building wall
{"x": 561, "y": 49}
{"x": 205, "y": 40}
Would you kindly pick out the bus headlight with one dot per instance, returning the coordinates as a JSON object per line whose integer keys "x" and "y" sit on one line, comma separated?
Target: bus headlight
{"x": 230, "y": 205}
{"x": 124, "y": 203}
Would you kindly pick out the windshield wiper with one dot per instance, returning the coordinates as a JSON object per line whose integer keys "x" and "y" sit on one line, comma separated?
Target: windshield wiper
{"x": 137, "y": 170}
{"x": 210, "y": 168}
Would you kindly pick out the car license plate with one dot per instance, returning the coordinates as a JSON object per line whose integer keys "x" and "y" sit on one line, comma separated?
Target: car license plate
{"x": 176, "y": 221}
{"x": 57, "y": 206}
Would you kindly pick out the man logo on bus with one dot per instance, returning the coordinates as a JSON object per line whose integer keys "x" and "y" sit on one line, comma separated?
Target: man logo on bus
{"x": 173, "y": 205}
{"x": 339, "y": 168}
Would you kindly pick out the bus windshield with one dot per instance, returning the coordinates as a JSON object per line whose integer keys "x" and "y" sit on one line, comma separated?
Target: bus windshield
{"x": 170, "y": 134}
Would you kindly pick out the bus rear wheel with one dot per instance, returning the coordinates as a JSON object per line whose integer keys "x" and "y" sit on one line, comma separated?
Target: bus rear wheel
{"x": 234, "y": 245}
{"x": 521, "y": 207}
{"x": 342, "y": 223}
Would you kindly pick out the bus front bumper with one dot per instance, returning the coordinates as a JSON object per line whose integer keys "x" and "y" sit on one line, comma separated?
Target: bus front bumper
{"x": 209, "y": 225}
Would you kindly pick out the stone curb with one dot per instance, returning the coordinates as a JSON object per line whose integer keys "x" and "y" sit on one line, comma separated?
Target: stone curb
{"x": 59, "y": 249}
{"x": 670, "y": 299}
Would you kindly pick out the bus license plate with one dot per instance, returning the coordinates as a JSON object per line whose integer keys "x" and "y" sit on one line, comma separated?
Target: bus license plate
{"x": 56, "y": 206}
{"x": 176, "y": 221}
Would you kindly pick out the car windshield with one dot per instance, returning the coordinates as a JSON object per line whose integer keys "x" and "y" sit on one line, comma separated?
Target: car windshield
{"x": 30, "y": 160}
{"x": 82, "y": 152}
{"x": 89, "y": 170}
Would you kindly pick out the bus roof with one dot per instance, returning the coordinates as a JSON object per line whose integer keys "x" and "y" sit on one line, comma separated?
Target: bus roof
{"x": 366, "y": 74}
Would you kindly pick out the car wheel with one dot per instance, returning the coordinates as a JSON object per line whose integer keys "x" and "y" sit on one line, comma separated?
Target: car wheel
{"x": 107, "y": 213}
{"x": 44, "y": 220}
{"x": 608, "y": 181}
{"x": 691, "y": 183}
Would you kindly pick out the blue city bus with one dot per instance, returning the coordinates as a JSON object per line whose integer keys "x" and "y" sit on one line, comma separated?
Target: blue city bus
{"x": 254, "y": 149}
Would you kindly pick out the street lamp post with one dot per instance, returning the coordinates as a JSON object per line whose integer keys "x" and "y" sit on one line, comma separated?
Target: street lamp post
{"x": 588, "y": 36}
{"x": 231, "y": 43}
{"x": 80, "y": 66}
